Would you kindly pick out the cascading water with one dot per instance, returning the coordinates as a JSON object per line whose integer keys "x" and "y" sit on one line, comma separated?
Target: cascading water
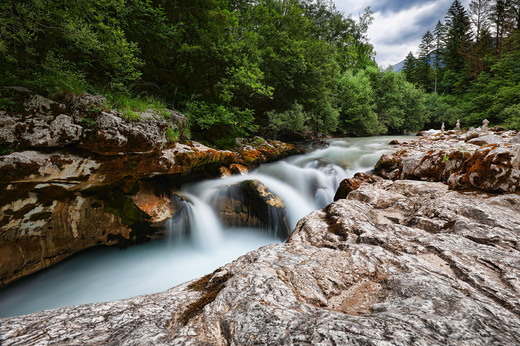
{"x": 197, "y": 243}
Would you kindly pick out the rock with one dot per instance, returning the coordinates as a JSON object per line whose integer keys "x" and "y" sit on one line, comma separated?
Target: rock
{"x": 114, "y": 135}
{"x": 251, "y": 204}
{"x": 486, "y": 140}
{"x": 158, "y": 208}
{"x": 58, "y": 154}
{"x": 352, "y": 184}
{"x": 238, "y": 169}
{"x": 85, "y": 102}
{"x": 225, "y": 172}
{"x": 41, "y": 106}
{"x": 493, "y": 168}
{"x": 403, "y": 262}
{"x": 39, "y": 231}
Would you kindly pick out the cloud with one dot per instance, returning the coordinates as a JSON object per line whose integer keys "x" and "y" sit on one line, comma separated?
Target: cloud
{"x": 398, "y": 25}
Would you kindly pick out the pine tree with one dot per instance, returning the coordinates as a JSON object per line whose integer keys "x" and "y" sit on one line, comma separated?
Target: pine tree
{"x": 409, "y": 68}
{"x": 480, "y": 12}
{"x": 499, "y": 16}
{"x": 458, "y": 43}
{"x": 424, "y": 68}
{"x": 439, "y": 34}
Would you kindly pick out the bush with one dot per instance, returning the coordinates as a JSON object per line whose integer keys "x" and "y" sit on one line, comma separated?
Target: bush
{"x": 220, "y": 124}
{"x": 292, "y": 121}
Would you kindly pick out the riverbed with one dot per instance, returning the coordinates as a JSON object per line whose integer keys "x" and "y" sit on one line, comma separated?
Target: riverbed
{"x": 304, "y": 183}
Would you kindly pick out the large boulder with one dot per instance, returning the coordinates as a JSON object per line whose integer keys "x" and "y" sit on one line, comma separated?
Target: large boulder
{"x": 251, "y": 204}
{"x": 351, "y": 184}
{"x": 396, "y": 263}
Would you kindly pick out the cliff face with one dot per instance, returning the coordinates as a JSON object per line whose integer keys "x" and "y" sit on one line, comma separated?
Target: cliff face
{"x": 74, "y": 175}
{"x": 404, "y": 262}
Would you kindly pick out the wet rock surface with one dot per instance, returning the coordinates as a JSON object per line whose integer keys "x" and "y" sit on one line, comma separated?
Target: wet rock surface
{"x": 479, "y": 159}
{"x": 73, "y": 156}
{"x": 251, "y": 204}
{"x": 396, "y": 262}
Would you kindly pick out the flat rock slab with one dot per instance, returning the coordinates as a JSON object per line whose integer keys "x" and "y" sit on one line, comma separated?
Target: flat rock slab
{"x": 396, "y": 263}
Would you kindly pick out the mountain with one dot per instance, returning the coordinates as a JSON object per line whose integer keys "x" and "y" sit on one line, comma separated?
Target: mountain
{"x": 398, "y": 67}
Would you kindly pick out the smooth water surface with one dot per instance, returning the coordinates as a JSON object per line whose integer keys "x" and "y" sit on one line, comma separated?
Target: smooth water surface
{"x": 197, "y": 243}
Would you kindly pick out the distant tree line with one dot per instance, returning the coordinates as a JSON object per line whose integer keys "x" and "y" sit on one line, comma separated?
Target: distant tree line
{"x": 288, "y": 69}
{"x": 471, "y": 64}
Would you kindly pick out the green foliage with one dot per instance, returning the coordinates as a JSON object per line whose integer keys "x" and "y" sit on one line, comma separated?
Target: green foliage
{"x": 375, "y": 102}
{"x": 7, "y": 104}
{"x": 229, "y": 65}
{"x": 172, "y": 136}
{"x": 130, "y": 106}
{"x": 6, "y": 151}
{"x": 221, "y": 123}
{"x": 291, "y": 122}
{"x": 53, "y": 40}
{"x": 476, "y": 77}
{"x": 357, "y": 106}
{"x": 87, "y": 122}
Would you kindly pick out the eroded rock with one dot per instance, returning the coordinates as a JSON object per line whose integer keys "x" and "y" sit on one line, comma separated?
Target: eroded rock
{"x": 404, "y": 262}
{"x": 352, "y": 184}
{"x": 459, "y": 161}
{"x": 251, "y": 204}
{"x": 56, "y": 153}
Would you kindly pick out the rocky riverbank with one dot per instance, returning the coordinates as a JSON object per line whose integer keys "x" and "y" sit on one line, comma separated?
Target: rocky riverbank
{"x": 75, "y": 175}
{"x": 405, "y": 262}
{"x": 390, "y": 262}
{"x": 482, "y": 159}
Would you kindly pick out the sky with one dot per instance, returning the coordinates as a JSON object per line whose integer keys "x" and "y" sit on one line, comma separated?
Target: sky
{"x": 398, "y": 25}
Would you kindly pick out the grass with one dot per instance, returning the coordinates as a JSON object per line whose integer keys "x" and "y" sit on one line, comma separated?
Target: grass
{"x": 131, "y": 107}
{"x": 172, "y": 136}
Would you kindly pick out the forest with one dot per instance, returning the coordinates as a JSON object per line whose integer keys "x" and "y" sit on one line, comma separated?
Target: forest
{"x": 469, "y": 66}
{"x": 291, "y": 69}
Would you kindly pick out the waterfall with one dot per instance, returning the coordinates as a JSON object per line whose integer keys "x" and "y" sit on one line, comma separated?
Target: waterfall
{"x": 198, "y": 242}
{"x": 196, "y": 220}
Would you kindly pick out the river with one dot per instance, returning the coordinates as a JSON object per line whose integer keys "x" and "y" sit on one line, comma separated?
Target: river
{"x": 198, "y": 244}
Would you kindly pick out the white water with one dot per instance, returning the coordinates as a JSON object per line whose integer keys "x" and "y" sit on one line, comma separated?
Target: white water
{"x": 197, "y": 243}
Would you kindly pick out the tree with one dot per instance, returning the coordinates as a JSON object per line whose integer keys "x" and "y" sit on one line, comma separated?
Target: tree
{"x": 424, "y": 68}
{"x": 458, "y": 42}
{"x": 357, "y": 114}
{"x": 410, "y": 68}
{"x": 439, "y": 36}
{"x": 480, "y": 12}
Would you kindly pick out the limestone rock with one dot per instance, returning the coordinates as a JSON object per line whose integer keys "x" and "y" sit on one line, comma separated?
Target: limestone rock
{"x": 38, "y": 232}
{"x": 486, "y": 140}
{"x": 158, "y": 208}
{"x": 114, "y": 135}
{"x": 403, "y": 262}
{"x": 458, "y": 161}
{"x": 251, "y": 204}
{"x": 352, "y": 184}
